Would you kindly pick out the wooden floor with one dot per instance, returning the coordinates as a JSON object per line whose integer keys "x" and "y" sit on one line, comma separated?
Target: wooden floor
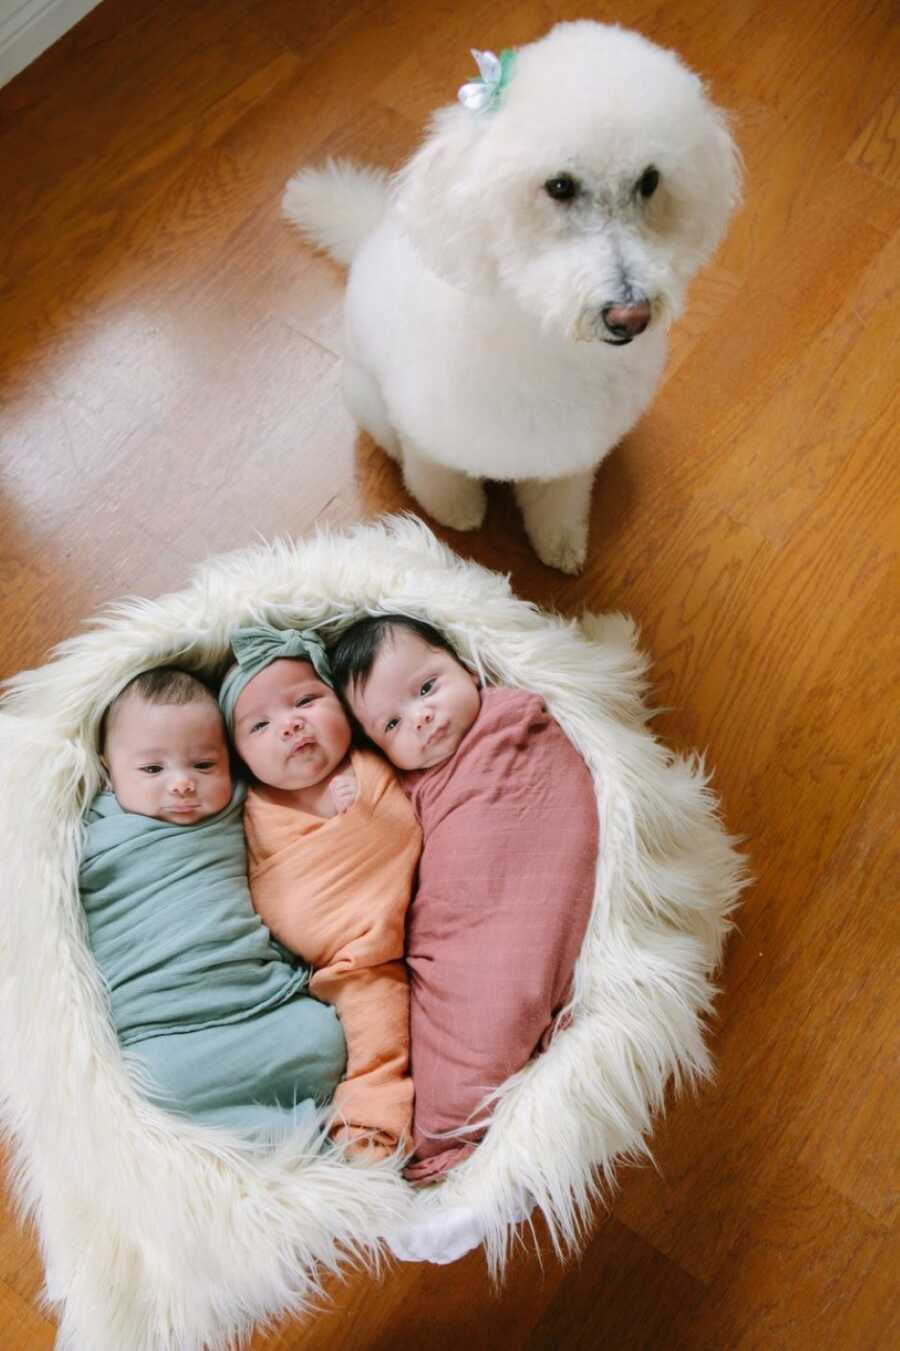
{"x": 169, "y": 389}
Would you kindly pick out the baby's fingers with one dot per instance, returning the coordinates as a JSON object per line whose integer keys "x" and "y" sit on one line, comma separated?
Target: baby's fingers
{"x": 343, "y": 793}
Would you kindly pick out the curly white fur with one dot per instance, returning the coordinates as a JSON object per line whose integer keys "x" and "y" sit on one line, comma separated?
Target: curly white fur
{"x": 475, "y": 340}
{"x": 158, "y": 1235}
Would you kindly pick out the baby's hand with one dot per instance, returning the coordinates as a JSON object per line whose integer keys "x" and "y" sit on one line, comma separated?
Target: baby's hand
{"x": 343, "y": 792}
{"x": 363, "y": 1146}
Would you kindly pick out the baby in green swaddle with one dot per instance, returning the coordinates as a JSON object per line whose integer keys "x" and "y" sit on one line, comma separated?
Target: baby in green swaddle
{"x": 213, "y": 1013}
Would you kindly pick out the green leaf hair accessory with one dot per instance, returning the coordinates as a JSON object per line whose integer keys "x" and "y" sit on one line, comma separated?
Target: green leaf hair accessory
{"x": 257, "y": 648}
{"x": 494, "y": 73}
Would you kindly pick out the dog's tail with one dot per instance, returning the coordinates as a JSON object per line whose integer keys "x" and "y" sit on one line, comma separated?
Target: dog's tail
{"x": 337, "y": 205}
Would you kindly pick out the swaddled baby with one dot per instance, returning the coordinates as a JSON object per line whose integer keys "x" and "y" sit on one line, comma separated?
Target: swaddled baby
{"x": 333, "y": 846}
{"x": 214, "y": 1015}
{"x": 507, "y": 873}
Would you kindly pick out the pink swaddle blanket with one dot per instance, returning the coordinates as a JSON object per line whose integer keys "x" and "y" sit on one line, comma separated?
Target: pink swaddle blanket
{"x": 506, "y": 882}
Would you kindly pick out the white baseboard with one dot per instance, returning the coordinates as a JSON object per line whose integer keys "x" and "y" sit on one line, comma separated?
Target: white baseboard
{"x": 29, "y": 27}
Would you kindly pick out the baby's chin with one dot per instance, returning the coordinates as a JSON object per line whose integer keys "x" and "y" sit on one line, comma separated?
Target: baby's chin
{"x": 295, "y": 783}
{"x": 440, "y": 757}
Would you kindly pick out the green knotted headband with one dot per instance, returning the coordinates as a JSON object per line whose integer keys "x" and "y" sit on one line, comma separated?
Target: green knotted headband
{"x": 255, "y": 649}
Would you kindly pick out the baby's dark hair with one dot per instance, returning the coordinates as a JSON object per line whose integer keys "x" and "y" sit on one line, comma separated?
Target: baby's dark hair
{"x": 354, "y": 653}
{"x": 159, "y": 685}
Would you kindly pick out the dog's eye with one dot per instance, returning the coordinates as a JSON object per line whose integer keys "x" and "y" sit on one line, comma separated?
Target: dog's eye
{"x": 648, "y": 182}
{"x": 562, "y": 188}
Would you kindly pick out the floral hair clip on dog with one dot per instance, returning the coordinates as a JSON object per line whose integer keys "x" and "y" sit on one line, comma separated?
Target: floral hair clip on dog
{"x": 494, "y": 71}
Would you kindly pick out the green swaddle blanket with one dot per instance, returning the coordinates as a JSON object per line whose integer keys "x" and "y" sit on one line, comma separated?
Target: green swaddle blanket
{"x": 172, "y": 926}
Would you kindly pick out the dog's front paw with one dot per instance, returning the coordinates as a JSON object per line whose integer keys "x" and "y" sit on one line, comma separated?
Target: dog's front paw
{"x": 555, "y": 513}
{"x": 565, "y": 550}
{"x": 465, "y": 511}
{"x": 452, "y": 498}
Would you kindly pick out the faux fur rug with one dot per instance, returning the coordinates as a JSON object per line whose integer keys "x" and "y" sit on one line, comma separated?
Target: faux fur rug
{"x": 158, "y": 1235}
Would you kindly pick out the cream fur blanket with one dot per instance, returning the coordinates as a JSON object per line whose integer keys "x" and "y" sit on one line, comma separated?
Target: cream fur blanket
{"x": 162, "y": 1236}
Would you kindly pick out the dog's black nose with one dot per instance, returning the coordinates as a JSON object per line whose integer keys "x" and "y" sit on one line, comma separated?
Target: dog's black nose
{"x": 627, "y": 321}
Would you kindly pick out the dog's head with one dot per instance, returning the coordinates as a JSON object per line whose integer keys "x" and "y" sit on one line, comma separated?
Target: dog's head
{"x": 592, "y": 192}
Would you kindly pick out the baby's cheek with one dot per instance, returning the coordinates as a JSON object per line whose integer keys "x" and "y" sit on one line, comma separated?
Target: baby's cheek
{"x": 340, "y": 730}
{"x": 410, "y": 755}
{"x": 248, "y": 752}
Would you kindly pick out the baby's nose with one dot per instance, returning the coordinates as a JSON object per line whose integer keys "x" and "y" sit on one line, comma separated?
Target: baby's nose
{"x": 424, "y": 717}
{"x": 295, "y": 720}
{"x": 183, "y": 785}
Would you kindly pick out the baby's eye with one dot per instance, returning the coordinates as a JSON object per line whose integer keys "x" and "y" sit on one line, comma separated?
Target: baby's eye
{"x": 205, "y": 764}
{"x": 151, "y": 769}
{"x": 304, "y": 700}
{"x": 427, "y": 687}
{"x": 258, "y": 726}
{"x": 391, "y": 724}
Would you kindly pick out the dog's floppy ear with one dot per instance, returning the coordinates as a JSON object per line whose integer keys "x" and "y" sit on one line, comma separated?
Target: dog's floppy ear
{"x": 730, "y": 163}
{"x": 442, "y": 202}
{"x": 716, "y": 180}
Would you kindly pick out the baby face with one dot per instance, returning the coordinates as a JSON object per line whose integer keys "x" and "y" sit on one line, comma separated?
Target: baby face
{"x": 168, "y": 761}
{"x": 289, "y": 726}
{"x": 418, "y": 702}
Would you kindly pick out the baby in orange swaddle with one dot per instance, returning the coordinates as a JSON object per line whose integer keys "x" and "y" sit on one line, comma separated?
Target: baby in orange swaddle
{"x": 332, "y": 845}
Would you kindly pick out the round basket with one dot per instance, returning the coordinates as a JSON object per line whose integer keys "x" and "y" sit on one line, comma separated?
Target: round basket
{"x": 161, "y": 1235}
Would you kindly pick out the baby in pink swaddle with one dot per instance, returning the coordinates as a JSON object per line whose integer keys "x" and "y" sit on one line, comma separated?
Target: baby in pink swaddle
{"x": 506, "y": 876}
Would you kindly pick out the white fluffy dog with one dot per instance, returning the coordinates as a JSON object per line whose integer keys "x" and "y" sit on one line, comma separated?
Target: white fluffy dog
{"x": 510, "y": 292}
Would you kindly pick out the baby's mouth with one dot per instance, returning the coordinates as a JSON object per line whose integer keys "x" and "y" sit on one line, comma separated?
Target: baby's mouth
{"x": 437, "y": 735}
{"x": 303, "y": 744}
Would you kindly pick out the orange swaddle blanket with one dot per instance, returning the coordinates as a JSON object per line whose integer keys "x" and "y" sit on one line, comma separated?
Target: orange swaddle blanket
{"x": 335, "y": 890}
